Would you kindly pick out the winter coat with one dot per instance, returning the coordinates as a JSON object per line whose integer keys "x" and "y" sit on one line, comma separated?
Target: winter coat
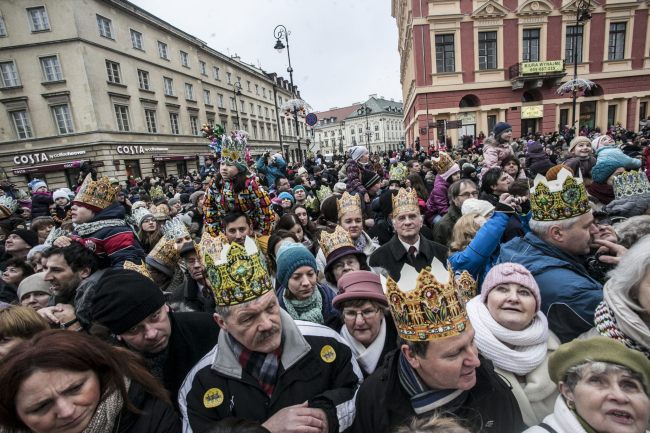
{"x": 392, "y": 256}
{"x": 41, "y": 202}
{"x": 569, "y": 293}
{"x": 493, "y": 155}
{"x": 156, "y": 417}
{"x": 562, "y": 420}
{"x": 353, "y": 181}
{"x": 331, "y": 316}
{"x": 316, "y": 366}
{"x": 517, "y": 224}
{"x": 443, "y": 229}
{"x": 583, "y": 166}
{"x": 538, "y": 163}
{"x": 271, "y": 171}
{"x": 438, "y": 203}
{"x": 382, "y": 403}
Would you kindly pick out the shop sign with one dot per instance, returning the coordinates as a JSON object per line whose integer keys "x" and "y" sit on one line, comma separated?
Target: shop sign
{"x": 40, "y": 157}
{"x": 467, "y": 118}
{"x": 139, "y": 150}
{"x": 532, "y": 111}
{"x": 542, "y": 67}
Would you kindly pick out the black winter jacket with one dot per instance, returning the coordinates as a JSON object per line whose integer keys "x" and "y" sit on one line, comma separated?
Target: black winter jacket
{"x": 156, "y": 417}
{"x": 392, "y": 256}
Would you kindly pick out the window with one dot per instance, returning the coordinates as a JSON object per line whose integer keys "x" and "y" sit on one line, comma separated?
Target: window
{"x": 259, "y": 110}
{"x": 215, "y": 72}
{"x": 377, "y": 136}
{"x": 173, "y": 123}
{"x": 189, "y": 92}
{"x": 168, "y": 85}
{"x": 185, "y": 60}
{"x": 150, "y": 119}
{"x": 38, "y": 19}
{"x": 616, "y": 49}
{"x": 143, "y": 80}
{"x": 136, "y": 40}
{"x": 105, "y": 27}
{"x": 264, "y": 92}
{"x": 257, "y": 91}
{"x": 194, "y": 125}
{"x": 531, "y": 45}
{"x": 611, "y": 115}
{"x": 63, "y": 118}
{"x": 229, "y": 76}
{"x": 376, "y": 129}
{"x": 220, "y": 100}
{"x": 206, "y": 97}
{"x": 573, "y": 42}
{"x": 266, "y": 111}
{"x": 202, "y": 68}
{"x": 162, "y": 50}
{"x": 360, "y": 130}
{"x": 491, "y": 121}
{"x": 113, "y": 71}
{"x": 445, "y": 55}
{"x": 122, "y": 117}
{"x": 487, "y": 50}
{"x": 3, "y": 27}
{"x": 51, "y": 68}
{"x": 243, "y": 108}
{"x": 239, "y": 81}
{"x": 248, "y": 85}
{"x": 22, "y": 124}
{"x": 9, "y": 74}
{"x": 564, "y": 118}
{"x": 233, "y": 105}
{"x": 252, "y": 109}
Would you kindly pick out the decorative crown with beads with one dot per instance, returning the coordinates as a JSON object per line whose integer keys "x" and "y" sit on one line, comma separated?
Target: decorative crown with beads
{"x": 8, "y": 204}
{"x": 175, "y": 229}
{"x": 398, "y": 173}
{"x": 140, "y": 269}
{"x": 156, "y": 192}
{"x": 427, "y": 305}
{"x": 165, "y": 252}
{"x": 323, "y": 192}
{"x": 443, "y": 163}
{"x": 631, "y": 183}
{"x": 97, "y": 194}
{"x": 330, "y": 242}
{"x": 233, "y": 147}
{"x": 405, "y": 201}
{"x": 160, "y": 212}
{"x": 560, "y": 199}
{"x": 139, "y": 214}
{"x": 348, "y": 203}
{"x": 211, "y": 246}
{"x": 240, "y": 275}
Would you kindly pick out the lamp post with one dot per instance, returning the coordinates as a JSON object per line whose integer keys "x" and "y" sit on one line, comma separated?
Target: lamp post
{"x": 280, "y": 32}
{"x": 365, "y": 110}
{"x": 340, "y": 139}
{"x": 582, "y": 15}
{"x": 236, "y": 91}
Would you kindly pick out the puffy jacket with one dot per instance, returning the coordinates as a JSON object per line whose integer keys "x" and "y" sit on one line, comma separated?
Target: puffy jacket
{"x": 444, "y": 228}
{"x": 353, "y": 180}
{"x": 583, "y": 166}
{"x": 438, "y": 203}
{"x": 41, "y": 202}
{"x": 493, "y": 155}
{"x": 271, "y": 171}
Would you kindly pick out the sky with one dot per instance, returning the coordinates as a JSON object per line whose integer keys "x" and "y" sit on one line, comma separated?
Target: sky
{"x": 342, "y": 51}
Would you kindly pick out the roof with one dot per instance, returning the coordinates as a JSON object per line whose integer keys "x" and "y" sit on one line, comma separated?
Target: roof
{"x": 379, "y": 106}
{"x": 338, "y": 114}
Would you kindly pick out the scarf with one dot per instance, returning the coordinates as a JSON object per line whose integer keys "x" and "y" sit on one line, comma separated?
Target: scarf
{"x": 85, "y": 229}
{"x": 361, "y": 242}
{"x": 367, "y": 357}
{"x": 519, "y": 352}
{"x": 107, "y": 414}
{"x": 310, "y": 309}
{"x": 262, "y": 366}
{"x": 422, "y": 398}
{"x": 608, "y": 326}
{"x": 629, "y": 315}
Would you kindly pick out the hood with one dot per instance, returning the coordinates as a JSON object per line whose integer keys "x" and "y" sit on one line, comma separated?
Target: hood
{"x": 114, "y": 211}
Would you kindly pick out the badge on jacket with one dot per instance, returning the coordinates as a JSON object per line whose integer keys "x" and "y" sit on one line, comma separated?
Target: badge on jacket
{"x": 328, "y": 354}
{"x": 213, "y": 397}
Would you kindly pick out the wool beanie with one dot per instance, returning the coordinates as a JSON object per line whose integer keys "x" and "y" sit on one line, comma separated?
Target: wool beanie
{"x": 302, "y": 171}
{"x": 339, "y": 188}
{"x": 123, "y": 299}
{"x": 291, "y": 257}
{"x": 501, "y": 127}
{"x": 577, "y": 140}
{"x": 297, "y": 187}
{"x": 608, "y": 161}
{"x": 357, "y": 152}
{"x": 480, "y": 207}
{"x": 34, "y": 283}
{"x": 504, "y": 273}
{"x": 449, "y": 173}
{"x": 369, "y": 179}
{"x": 601, "y": 141}
{"x": 36, "y": 184}
{"x": 286, "y": 196}
{"x": 534, "y": 147}
{"x": 60, "y": 193}
{"x": 27, "y": 235}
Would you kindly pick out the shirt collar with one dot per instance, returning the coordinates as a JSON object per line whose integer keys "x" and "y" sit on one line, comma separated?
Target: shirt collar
{"x": 407, "y": 246}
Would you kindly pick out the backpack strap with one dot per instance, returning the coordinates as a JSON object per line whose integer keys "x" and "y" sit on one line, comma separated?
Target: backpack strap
{"x": 547, "y": 427}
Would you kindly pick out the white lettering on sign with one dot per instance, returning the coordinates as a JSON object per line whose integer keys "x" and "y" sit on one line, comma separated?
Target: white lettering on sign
{"x": 130, "y": 150}
{"x": 31, "y": 158}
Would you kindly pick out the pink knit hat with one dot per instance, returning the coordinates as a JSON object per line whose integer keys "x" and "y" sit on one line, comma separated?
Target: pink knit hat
{"x": 504, "y": 273}
{"x": 360, "y": 285}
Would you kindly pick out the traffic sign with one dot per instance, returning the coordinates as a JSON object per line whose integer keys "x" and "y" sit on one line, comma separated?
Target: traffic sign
{"x": 311, "y": 119}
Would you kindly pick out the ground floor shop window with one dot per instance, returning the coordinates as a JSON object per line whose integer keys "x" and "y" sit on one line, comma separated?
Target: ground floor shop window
{"x": 588, "y": 114}
{"x": 133, "y": 168}
{"x": 159, "y": 169}
{"x": 528, "y": 126}
{"x": 72, "y": 177}
{"x": 181, "y": 168}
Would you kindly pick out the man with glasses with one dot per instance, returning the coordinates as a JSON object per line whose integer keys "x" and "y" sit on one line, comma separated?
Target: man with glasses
{"x": 458, "y": 192}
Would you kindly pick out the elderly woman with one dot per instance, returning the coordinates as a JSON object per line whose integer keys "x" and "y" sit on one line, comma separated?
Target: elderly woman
{"x": 34, "y": 292}
{"x": 603, "y": 386}
{"x": 367, "y": 329}
{"x": 91, "y": 387}
{"x": 513, "y": 334}
{"x": 18, "y": 323}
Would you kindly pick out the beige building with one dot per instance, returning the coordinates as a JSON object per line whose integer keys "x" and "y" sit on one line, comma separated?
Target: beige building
{"x": 107, "y": 82}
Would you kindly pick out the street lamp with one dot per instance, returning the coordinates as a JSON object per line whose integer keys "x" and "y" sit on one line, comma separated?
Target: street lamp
{"x": 365, "y": 110}
{"x": 236, "y": 91}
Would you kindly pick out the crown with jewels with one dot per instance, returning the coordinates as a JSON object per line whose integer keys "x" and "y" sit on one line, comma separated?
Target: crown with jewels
{"x": 631, "y": 183}
{"x": 8, "y": 205}
{"x": 233, "y": 147}
{"x": 348, "y": 203}
{"x": 156, "y": 192}
{"x": 443, "y": 163}
{"x": 211, "y": 246}
{"x": 405, "y": 201}
{"x": 140, "y": 269}
{"x": 427, "y": 305}
{"x": 240, "y": 275}
{"x": 560, "y": 199}
{"x": 330, "y": 242}
{"x": 323, "y": 192}
{"x": 164, "y": 253}
{"x": 96, "y": 194}
{"x": 398, "y": 173}
{"x": 175, "y": 229}
{"x": 139, "y": 214}
{"x": 160, "y": 212}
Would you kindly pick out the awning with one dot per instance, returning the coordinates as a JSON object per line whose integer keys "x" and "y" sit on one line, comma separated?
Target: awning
{"x": 47, "y": 168}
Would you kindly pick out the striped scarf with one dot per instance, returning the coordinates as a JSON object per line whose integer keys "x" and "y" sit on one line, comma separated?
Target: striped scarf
{"x": 262, "y": 366}
{"x": 606, "y": 326}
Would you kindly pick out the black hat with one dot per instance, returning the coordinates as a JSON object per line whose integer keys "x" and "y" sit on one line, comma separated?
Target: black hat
{"x": 27, "y": 235}
{"x": 369, "y": 179}
{"x": 123, "y": 299}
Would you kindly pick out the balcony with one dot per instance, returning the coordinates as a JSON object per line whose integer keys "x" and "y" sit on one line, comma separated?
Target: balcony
{"x": 532, "y": 75}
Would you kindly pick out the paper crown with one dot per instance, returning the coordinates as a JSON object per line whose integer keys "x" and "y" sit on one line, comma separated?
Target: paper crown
{"x": 398, "y": 173}
{"x": 140, "y": 214}
{"x": 176, "y": 229}
{"x": 631, "y": 183}
{"x": 427, "y": 305}
{"x": 348, "y": 203}
{"x": 239, "y": 276}
{"x": 555, "y": 200}
{"x": 160, "y": 212}
{"x": 211, "y": 246}
{"x": 405, "y": 201}
{"x": 8, "y": 205}
{"x": 330, "y": 242}
{"x": 233, "y": 147}
{"x": 443, "y": 163}
{"x": 156, "y": 192}
{"x": 96, "y": 194}
{"x": 323, "y": 192}
{"x": 140, "y": 269}
{"x": 164, "y": 253}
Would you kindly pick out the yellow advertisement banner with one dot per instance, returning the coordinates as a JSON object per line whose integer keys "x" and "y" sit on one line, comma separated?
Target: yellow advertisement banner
{"x": 532, "y": 111}
{"x": 542, "y": 67}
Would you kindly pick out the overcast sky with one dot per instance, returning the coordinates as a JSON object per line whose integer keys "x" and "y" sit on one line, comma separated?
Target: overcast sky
{"x": 341, "y": 50}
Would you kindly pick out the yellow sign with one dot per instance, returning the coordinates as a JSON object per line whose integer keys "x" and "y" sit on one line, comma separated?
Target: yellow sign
{"x": 328, "y": 354}
{"x": 532, "y": 111}
{"x": 542, "y": 67}
{"x": 213, "y": 397}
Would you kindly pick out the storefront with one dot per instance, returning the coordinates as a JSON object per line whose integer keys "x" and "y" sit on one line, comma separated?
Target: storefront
{"x": 55, "y": 168}
{"x": 530, "y": 115}
{"x": 179, "y": 165}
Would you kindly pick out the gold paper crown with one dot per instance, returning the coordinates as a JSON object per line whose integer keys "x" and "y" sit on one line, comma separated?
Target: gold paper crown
{"x": 631, "y": 183}
{"x": 8, "y": 205}
{"x": 211, "y": 246}
{"x": 427, "y": 305}
{"x": 559, "y": 199}
{"x": 398, "y": 173}
{"x": 96, "y": 193}
{"x": 330, "y": 242}
{"x": 165, "y": 253}
{"x": 348, "y": 203}
{"x": 323, "y": 192}
{"x": 239, "y": 276}
{"x": 160, "y": 212}
{"x": 233, "y": 148}
{"x": 405, "y": 201}
{"x": 175, "y": 229}
{"x": 140, "y": 269}
{"x": 156, "y": 192}
{"x": 443, "y": 163}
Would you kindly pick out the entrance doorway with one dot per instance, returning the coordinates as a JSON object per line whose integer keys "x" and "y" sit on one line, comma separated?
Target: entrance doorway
{"x": 528, "y": 126}
{"x": 133, "y": 168}
{"x": 588, "y": 114}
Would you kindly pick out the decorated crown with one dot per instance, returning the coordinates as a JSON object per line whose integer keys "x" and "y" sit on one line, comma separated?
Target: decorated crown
{"x": 55, "y": 233}
{"x": 348, "y": 203}
{"x": 631, "y": 183}
{"x": 8, "y": 204}
{"x": 323, "y": 192}
{"x": 427, "y": 305}
{"x": 398, "y": 172}
{"x": 443, "y": 163}
{"x": 555, "y": 200}
{"x": 211, "y": 246}
{"x": 330, "y": 242}
{"x": 233, "y": 147}
{"x": 140, "y": 269}
{"x": 175, "y": 229}
{"x": 239, "y": 276}
{"x": 165, "y": 253}
{"x": 156, "y": 192}
{"x": 160, "y": 212}
{"x": 139, "y": 214}
{"x": 405, "y": 201}
{"x": 98, "y": 194}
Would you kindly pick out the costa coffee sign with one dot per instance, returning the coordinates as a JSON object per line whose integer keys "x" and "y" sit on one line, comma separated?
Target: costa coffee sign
{"x": 41, "y": 157}
{"x": 139, "y": 150}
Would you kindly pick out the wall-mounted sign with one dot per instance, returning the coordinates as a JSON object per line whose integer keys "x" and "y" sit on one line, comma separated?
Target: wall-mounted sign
{"x": 532, "y": 111}
{"x": 467, "y": 118}
{"x": 542, "y": 67}
{"x": 139, "y": 150}
{"x": 40, "y": 157}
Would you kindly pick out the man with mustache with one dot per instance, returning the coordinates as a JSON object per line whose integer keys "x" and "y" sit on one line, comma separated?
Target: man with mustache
{"x": 288, "y": 376}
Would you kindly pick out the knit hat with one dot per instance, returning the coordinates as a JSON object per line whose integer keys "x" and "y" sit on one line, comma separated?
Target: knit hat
{"x": 27, "y": 235}
{"x": 34, "y": 283}
{"x": 597, "y": 349}
{"x": 369, "y": 179}
{"x": 534, "y": 147}
{"x": 504, "y": 273}
{"x": 357, "y": 152}
{"x": 36, "y": 184}
{"x": 297, "y": 187}
{"x": 195, "y": 196}
{"x": 577, "y": 140}
{"x": 501, "y": 127}
{"x": 302, "y": 171}
{"x": 291, "y": 257}
{"x": 123, "y": 299}
{"x": 40, "y": 248}
{"x": 480, "y": 207}
{"x": 286, "y": 196}
{"x": 449, "y": 173}
{"x": 61, "y": 193}
{"x": 339, "y": 188}
{"x": 601, "y": 141}
{"x": 608, "y": 161}
{"x": 360, "y": 285}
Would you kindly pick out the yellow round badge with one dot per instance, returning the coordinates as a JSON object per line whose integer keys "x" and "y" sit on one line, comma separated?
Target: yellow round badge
{"x": 213, "y": 397}
{"x": 328, "y": 354}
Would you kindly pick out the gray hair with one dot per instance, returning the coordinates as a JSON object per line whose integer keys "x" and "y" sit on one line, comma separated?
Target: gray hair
{"x": 632, "y": 229}
{"x": 541, "y": 228}
{"x": 631, "y": 270}
{"x": 576, "y": 372}
{"x": 225, "y": 311}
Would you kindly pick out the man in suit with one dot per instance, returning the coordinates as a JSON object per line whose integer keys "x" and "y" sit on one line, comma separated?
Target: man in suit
{"x": 406, "y": 246}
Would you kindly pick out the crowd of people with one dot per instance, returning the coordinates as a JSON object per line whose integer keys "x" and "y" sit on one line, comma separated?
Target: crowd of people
{"x": 498, "y": 286}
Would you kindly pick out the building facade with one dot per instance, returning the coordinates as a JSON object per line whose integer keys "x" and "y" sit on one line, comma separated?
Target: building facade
{"x": 375, "y": 123}
{"x": 487, "y": 61}
{"x": 107, "y": 82}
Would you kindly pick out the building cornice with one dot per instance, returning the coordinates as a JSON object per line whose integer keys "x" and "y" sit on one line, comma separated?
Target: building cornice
{"x": 534, "y": 7}
{"x": 490, "y": 10}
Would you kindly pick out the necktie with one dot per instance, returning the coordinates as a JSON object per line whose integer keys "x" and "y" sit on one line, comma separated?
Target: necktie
{"x": 412, "y": 252}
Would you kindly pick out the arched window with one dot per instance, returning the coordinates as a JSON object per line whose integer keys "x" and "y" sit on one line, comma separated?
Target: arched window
{"x": 469, "y": 101}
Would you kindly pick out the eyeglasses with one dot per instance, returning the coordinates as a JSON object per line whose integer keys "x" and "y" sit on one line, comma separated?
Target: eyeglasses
{"x": 366, "y": 314}
{"x": 469, "y": 194}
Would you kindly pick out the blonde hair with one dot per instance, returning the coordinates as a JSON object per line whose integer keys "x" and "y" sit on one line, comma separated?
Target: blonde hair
{"x": 464, "y": 231}
{"x": 20, "y": 322}
{"x": 435, "y": 424}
